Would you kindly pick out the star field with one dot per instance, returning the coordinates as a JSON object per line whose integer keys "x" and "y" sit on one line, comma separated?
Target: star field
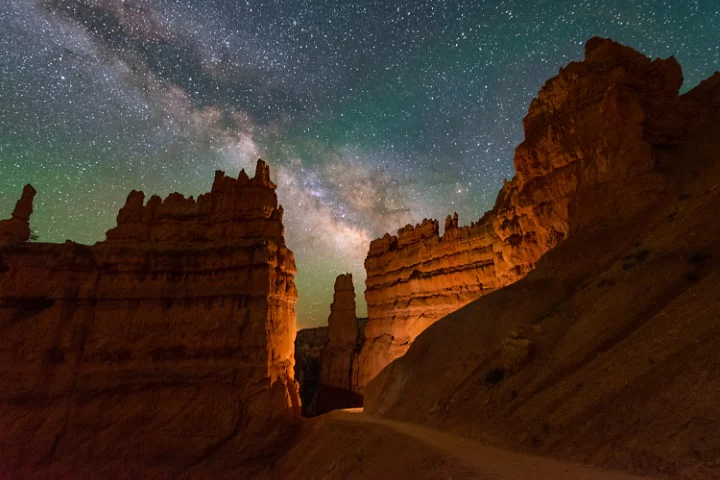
{"x": 372, "y": 114}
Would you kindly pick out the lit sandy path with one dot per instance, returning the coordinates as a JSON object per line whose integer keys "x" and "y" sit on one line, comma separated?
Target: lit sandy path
{"x": 490, "y": 463}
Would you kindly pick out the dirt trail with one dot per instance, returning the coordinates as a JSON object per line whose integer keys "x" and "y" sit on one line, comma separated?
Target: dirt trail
{"x": 489, "y": 463}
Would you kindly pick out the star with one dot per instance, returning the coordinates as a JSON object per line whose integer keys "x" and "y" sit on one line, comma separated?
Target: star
{"x": 371, "y": 114}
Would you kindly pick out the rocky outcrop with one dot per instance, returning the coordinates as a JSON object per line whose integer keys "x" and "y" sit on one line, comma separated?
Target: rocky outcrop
{"x": 592, "y": 128}
{"x": 168, "y": 345}
{"x": 338, "y": 372}
{"x": 607, "y": 351}
{"x": 16, "y": 229}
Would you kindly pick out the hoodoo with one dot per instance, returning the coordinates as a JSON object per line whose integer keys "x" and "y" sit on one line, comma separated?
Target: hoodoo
{"x": 16, "y": 229}
{"x": 169, "y": 345}
{"x": 338, "y": 372}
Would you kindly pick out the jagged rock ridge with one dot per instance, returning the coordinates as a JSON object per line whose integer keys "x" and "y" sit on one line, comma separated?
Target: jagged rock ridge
{"x": 234, "y": 209}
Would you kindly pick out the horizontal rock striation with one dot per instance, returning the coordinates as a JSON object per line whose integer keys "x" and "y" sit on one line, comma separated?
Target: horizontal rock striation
{"x": 591, "y": 128}
{"x": 169, "y": 344}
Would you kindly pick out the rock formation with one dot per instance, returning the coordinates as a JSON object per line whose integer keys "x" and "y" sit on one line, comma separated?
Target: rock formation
{"x": 16, "y": 229}
{"x": 235, "y": 209}
{"x": 343, "y": 323}
{"x": 591, "y": 128}
{"x": 338, "y": 372}
{"x": 607, "y": 351}
{"x": 166, "y": 346}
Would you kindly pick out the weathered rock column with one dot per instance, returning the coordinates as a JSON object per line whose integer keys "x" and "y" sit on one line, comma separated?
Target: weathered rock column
{"x": 17, "y": 228}
{"x": 338, "y": 374}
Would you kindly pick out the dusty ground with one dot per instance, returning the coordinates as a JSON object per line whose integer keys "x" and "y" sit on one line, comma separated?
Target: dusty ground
{"x": 350, "y": 444}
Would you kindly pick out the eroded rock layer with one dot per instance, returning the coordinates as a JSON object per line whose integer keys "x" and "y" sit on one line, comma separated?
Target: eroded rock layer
{"x": 168, "y": 344}
{"x": 338, "y": 374}
{"x": 597, "y": 124}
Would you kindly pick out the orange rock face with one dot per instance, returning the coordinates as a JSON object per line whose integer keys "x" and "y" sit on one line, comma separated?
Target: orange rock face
{"x": 338, "y": 374}
{"x": 17, "y": 228}
{"x": 169, "y": 344}
{"x": 591, "y": 128}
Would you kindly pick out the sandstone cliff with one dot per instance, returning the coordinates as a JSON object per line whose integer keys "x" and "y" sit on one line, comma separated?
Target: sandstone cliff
{"x": 592, "y": 129}
{"x": 167, "y": 346}
{"x": 607, "y": 351}
{"x": 338, "y": 362}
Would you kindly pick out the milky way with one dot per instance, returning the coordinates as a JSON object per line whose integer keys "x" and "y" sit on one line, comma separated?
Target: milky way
{"x": 372, "y": 114}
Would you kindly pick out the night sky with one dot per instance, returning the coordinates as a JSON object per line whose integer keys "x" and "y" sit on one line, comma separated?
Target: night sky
{"x": 372, "y": 114}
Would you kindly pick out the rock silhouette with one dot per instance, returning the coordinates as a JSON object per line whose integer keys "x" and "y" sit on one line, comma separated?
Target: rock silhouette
{"x": 16, "y": 229}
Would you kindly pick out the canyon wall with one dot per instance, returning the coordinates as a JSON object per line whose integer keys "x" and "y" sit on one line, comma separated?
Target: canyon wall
{"x": 168, "y": 344}
{"x": 590, "y": 128}
{"x": 606, "y": 353}
{"x": 339, "y": 359}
